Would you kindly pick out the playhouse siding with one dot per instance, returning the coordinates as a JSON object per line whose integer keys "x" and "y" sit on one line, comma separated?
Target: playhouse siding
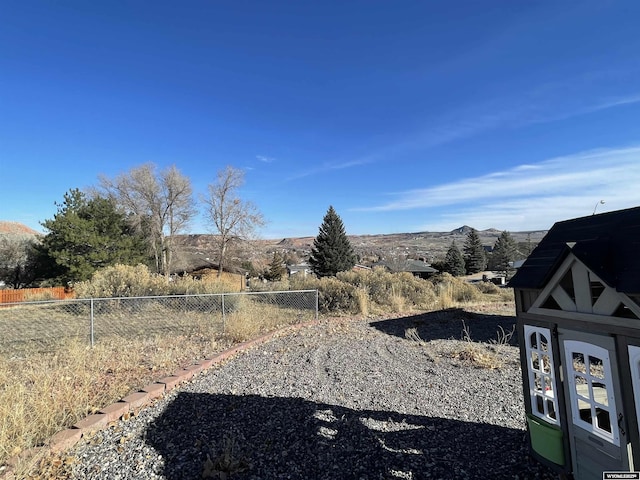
{"x": 545, "y": 323}
{"x": 524, "y": 299}
{"x": 622, "y": 335}
{"x": 599, "y": 308}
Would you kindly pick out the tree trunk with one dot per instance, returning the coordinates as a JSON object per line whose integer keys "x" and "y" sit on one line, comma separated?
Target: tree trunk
{"x": 223, "y": 248}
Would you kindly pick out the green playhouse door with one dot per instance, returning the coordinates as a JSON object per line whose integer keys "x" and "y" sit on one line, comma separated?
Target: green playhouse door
{"x": 596, "y": 418}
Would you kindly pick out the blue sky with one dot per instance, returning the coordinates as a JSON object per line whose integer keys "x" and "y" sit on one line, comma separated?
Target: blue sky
{"x": 405, "y": 116}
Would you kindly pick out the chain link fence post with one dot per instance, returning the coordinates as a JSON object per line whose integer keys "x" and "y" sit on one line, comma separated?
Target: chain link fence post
{"x": 91, "y": 323}
{"x": 224, "y": 319}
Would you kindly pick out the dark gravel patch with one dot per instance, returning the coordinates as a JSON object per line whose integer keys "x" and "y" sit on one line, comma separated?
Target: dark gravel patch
{"x": 389, "y": 399}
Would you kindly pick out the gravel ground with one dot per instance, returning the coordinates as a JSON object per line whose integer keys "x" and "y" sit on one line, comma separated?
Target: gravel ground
{"x": 398, "y": 398}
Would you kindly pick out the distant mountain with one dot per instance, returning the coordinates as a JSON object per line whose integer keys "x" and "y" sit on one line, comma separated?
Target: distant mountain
{"x": 300, "y": 242}
{"x": 429, "y": 245}
{"x": 463, "y": 230}
{"x": 16, "y": 228}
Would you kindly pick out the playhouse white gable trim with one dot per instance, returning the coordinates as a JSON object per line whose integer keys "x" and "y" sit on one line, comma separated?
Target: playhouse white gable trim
{"x": 574, "y": 288}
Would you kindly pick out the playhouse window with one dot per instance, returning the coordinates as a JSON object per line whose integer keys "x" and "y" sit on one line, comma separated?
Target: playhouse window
{"x": 541, "y": 373}
{"x": 591, "y": 389}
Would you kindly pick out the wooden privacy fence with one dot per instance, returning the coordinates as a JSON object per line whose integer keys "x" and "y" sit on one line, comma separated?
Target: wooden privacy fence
{"x": 25, "y": 294}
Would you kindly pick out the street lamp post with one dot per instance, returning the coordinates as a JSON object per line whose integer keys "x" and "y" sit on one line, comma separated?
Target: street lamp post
{"x": 601, "y": 202}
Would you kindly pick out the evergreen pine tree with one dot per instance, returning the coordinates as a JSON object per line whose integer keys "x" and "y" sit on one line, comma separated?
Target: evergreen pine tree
{"x": 277, "y": 269}
{"x": 474, "y": 256}
{"x": 332, "y": 251}
{"x": 85, "y": 235}
{"x": 528, "y": 246}
{"x": 504, "y": 252}
{"x": 454, "y": 261}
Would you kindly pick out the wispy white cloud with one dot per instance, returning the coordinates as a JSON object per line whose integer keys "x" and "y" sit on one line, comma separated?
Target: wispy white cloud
{"x": 530, "y": 196}
{"x": 613, "y": 102}
{"x": 567, "y": 97}
{"x": 550, "y": 103}
{"x": 331, "y": 166}
{"x": 514, "y": 112}
{"x": 584, "y": 94}
{"x": 552, "y": 114}
{"x": 265, "y": 159}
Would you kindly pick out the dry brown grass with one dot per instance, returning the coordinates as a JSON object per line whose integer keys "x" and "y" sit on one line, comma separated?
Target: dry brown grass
{"x": 253, "y": 320}
{"x": 364, "y": 302}
{"x": 43, "y": 393}
{"x": 484, "y": 355}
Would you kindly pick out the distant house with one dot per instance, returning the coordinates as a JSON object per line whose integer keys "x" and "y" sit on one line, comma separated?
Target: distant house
{"x": 305, "y": 269}
{"x": 578, "y": 321}
{"x": 302, "y": 269}
{"x": 238, "y": 278}
{"x": 357, "y": 267}
{"x": 516, "y": 264}
{"x": 199, "y": 267}
{"x": 417, "y": 268}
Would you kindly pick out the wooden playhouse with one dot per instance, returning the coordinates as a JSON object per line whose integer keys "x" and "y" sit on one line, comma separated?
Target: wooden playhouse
{"x": 578, "y": 320}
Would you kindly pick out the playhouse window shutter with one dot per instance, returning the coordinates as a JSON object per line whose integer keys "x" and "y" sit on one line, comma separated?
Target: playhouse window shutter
{"x": 541, "y": 373}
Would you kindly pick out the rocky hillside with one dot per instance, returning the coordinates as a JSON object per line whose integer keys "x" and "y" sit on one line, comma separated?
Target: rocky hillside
{"x": 15, "y": 229}
{"x": 428, "y": 245}
{"x": 196, "y": 250}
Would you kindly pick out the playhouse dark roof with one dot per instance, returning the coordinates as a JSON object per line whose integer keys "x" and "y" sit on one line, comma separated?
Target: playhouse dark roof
{"x": 608, "y": 244}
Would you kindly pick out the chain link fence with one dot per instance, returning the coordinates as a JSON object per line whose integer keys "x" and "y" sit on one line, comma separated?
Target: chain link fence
{"x": 41, "y": 326}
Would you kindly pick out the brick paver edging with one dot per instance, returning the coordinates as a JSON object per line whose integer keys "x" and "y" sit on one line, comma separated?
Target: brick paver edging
{"x": 132, "y": 404}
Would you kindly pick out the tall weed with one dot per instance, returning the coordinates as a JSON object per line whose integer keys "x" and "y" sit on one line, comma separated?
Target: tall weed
{"x": 456, "y": 290}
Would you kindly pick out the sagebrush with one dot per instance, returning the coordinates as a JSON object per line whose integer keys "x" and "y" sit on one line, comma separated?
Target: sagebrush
{"x": 378, "y": 291}
{"x": 139, "y": 281}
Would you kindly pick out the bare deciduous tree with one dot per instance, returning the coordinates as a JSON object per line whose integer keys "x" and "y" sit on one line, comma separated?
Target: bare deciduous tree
{"x": 228, "y": 215}
{"x": 159, "y": 204}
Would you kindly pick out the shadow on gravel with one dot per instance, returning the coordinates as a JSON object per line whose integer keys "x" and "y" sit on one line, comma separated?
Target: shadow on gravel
{"x": 242, "y": 437}
{"x": 448, "y": 324}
